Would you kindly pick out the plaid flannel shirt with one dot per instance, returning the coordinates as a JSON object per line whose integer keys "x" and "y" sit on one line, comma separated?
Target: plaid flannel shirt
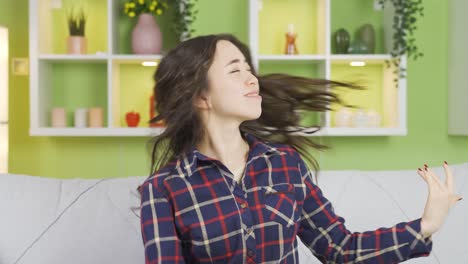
{"x": 193, "y": 211}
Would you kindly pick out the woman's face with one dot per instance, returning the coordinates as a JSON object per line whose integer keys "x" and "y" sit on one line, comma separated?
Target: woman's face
{"x": 233, "y": 91}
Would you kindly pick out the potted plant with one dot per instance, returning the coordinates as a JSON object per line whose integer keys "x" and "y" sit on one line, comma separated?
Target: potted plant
{"x": 402, "y": 17}
{"x": 76, "y": 42}
{"x": 146, "y": 35}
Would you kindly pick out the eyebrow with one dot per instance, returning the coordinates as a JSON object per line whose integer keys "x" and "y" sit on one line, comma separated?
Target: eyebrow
{"x": 234, "y": 61}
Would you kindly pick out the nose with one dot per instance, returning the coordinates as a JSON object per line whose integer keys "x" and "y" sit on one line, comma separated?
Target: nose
{"x": 251, "y": 80}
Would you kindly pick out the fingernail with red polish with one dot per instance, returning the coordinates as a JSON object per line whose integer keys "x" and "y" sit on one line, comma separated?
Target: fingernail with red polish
{"x": 425, "y": 165}
{"x": 419, "y": 169}
{"x": 425, "y": 168}
{"x": 445, "y": 162}
{"x": 460, "y": 199}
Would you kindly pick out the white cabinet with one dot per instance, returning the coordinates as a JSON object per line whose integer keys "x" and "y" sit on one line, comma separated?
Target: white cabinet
{"x": 457, "y": 66}
{"x": 111, "y": 78}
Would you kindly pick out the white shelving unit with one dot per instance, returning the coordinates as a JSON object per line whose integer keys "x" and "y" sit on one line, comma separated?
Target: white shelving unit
{"x": 103, "y": 67}
{"x": 458, "y": 57}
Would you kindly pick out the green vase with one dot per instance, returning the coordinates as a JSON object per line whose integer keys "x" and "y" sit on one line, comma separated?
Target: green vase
{"x": 342, "y": 40}
{"x": 358, "y": 47}
{"x": 366, "y": 34}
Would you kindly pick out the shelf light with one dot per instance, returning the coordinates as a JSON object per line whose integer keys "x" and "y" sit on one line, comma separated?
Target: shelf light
{"x": 357, "y": 63}
{"x": 149, "y": 63}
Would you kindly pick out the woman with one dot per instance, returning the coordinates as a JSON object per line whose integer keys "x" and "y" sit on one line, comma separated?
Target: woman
{"x": 230, "y": 185}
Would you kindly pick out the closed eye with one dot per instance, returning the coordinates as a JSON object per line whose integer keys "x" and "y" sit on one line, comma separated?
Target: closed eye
{"x": 250, "y": 70}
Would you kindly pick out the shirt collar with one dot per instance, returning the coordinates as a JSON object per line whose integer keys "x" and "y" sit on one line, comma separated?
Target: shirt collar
{"x": 186, "y": 165}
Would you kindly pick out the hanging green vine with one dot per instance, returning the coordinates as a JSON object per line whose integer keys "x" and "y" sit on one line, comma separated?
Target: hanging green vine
{"x": 404, "y": 25}
{"x": 184, "y": 17}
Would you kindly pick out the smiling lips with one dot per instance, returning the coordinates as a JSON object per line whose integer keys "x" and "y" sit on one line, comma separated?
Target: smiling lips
{"x": 253, "y": 94}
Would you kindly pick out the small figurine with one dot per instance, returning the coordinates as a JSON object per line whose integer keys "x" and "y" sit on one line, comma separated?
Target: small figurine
{"x": 291, "y": 48}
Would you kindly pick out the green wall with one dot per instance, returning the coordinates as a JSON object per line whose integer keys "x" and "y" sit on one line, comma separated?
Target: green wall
{"x": 96, "y": 157}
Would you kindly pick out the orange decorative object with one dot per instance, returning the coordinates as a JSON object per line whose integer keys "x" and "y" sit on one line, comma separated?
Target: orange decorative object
{"x": 290, "y": 47}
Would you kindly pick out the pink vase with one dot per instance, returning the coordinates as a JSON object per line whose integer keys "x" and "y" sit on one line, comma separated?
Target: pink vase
{"x": 146, "y": 36}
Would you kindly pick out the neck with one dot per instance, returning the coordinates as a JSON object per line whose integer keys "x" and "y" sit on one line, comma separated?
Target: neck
{"x": 225, "y": 145}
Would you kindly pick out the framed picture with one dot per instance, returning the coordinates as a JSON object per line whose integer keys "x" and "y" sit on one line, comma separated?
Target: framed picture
{"x": 20, "y": 66}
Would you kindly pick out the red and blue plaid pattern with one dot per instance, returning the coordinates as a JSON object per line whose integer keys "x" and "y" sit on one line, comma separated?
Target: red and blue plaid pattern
{"x": 193, "y": 211}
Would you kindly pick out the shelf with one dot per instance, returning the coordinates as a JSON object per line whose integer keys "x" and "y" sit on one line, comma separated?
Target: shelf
{"x": 132, "y": 86}
{"x": 308, "y": 19}
{"x": 60, "y": 88}
{"x": 291, "y": 57}
{"x": 380, "y": 95}
{"x": 52, "y": 26}
{"x": 378, "y": 58}
{"x": 122, "y": 26}
{"x": 304, "y": 68}
{"x": 330, "y": 131}
{"x": 148, "y": 132}
{"x": 97, "y": 132}
{"x": 77, "y": 58}
{"x": 351, "y": 15}
{"x": 132, "y": 59}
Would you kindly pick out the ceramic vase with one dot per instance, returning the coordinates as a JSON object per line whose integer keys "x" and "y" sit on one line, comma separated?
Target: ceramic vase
{"x": 146, "y": 36}
{"x": 342, "y": 40}
{"x": 77, "y": 45}
{"x": 366, "y": 34}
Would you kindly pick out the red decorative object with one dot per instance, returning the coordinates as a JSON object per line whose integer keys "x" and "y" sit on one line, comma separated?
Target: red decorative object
{"x": 132, "y": 118}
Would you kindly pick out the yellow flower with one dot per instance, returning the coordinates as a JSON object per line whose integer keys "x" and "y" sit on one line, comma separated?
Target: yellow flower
{"x": 131, "y": 14}
{"x": 151, "y": 8}
{"x": 159, "y": 11}
{"x": 131, "y": 4}
{"x": 141, "y": 2}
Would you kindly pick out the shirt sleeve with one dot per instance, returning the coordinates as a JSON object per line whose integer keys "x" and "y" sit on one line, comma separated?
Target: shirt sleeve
{"x": 325, "y": 233}
{"x": 162, "y": 245}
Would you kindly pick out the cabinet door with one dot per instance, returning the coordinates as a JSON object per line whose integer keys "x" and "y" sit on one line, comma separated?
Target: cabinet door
{"x": 457, "y": 69}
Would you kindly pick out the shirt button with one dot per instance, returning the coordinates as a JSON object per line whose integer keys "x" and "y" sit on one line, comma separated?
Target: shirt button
{"x": 250, "y": 230}
{"x": 250, "y": 253}
{"x": 243, "y": 205}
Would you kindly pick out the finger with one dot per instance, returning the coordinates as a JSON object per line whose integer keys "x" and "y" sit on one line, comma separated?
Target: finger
{"x": 432, "y": 175}
{"x": 431, "y": 185}
{"x": 421, "y": 173}
{"x": 449, "y": 181}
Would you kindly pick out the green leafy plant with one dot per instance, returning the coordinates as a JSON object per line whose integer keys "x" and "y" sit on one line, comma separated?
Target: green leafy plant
{"x": 404, "y": 25}
{"x": 184, "y": 17}
{"x": 76, "y": 23}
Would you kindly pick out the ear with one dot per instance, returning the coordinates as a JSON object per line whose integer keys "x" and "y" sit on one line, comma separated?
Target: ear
{"x": 203, "y": 102}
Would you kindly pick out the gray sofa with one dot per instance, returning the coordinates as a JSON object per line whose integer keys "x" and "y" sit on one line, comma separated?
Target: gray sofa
{"x": 52, "y": 221}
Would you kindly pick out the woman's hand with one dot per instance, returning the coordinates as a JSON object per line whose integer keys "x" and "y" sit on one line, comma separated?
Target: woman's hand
{"x": 440, "y": 199}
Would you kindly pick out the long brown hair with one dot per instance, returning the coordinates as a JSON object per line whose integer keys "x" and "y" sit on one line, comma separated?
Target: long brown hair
{"x": 182, "y": 76}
